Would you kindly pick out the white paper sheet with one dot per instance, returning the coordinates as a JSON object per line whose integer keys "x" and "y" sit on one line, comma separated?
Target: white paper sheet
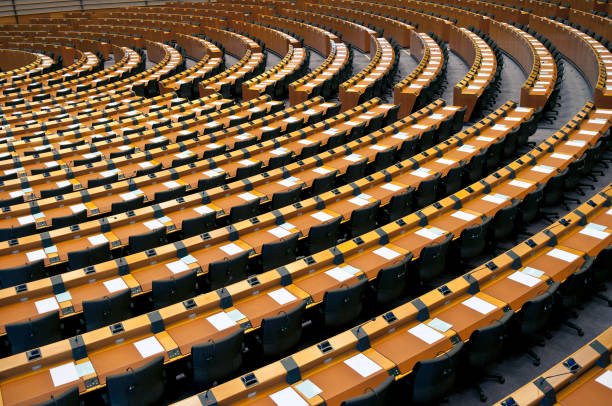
{"x": 64, "y": 374}
{"x": 462, "y": 215}
{"x": 359, "y": 201}
{"x": 605, "y": 379}
{"x": 519, "y": 183}
{"x": 353, "y": 157}
{"x": 338, "y": 274}
{"x": 177, "y": 267}
{"x": 439, "y": 325}
{"x": 445, "y": 161}
{"x": 536, "y": 273}
{"x": 386, "y": 253}
{"x": 246, "y": 196}
{"x": 231, "y": 249}
{"x": 279, "y": 232}
{"x": 593, "y": 232}
{"x": 392, "y": 187}
{"x": 36, "y": 255}
{"x": 321, "y": 171}
{"x": 524, "y": 279}
{"x": 46, "y": 305}
{"x": 322, "y": 216}
{"x": 221, "y": 321}
{"x": 562, "y": 255}
{"x": 429, "y": 233}
{"x": 363, "y": 365}
{"x": 203, "y": 210}
{"x": 478, "y": 304}
{"x": 288, "y": 397}
{"x": 153, "y": 224}
{"x": 282, "y": 296}
{"x": 171, "y": 184}
{"x": 149, "y": 346}
{"x": 115, "y": 285}
{"x": 26, "y": 219}
{"x": 308, "y": 389}
{"x": 426, "y": 333}
{"x": 542, "y": 168}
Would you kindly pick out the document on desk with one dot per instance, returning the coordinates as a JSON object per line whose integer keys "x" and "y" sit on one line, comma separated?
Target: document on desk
{"x": 149, "y": 346}
{"x": 64, "y": 374}
{"x": 605, "y": 379}
{"x": 115, "y": 285}
{"x": 321, "y": 216}
{"x": 362, "y": 365}
{"x": 386, "y": 253}
{"x": 279, "y": 232}
{"x": 524, "y": 279}
{"x": 481, "y": 306}
{"x": 439, "y": 325}
{"x": 97, "y": 239}
{"x": 288, "y": 397}
{"x": 462, "y": 215}
{"x": 426, "y": 333}
{"x": 231, "y": 248}
{"x": 594, "y": 232}
{"x": 282, "y": 296}
{"x": 562, "y": 255}
{"x": 338, "y": 274}
{"x": 308, "y": 389}
{"x": 177, "y": 267}
{"x": 221, "y": 321}
{"x": 46, "y": 305}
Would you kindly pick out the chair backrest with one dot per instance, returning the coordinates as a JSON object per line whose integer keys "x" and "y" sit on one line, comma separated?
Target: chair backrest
{"x": 336, "y": 140}
{"x": 282, "y": 199}
{"x": 132, "y": 204}
{"x": 452, "y": 182}
{"x": 342, "y": 306}
{"x": 89, "y": 256}
{"x": 486, "y": 344}
{"x": 427, "y": 192}
{"x": 278, "y": 161}
{"x": 146, "y": 171}
{"x": 432, "y": 260}
{"x": 408, "y": 148}
{"x": 473, "y": 239}
{"x": 355, "y": 171}
{"x": 323, "y": 236}
{"x": 68, "y": 398}
{"x": 536, "y": 312}
{"x": 364, "y": 219}
{"x": 17, "y": 232}
{"x": 244, "y": 211}
{"x": 384, "y": 159}
{"x": 108, "y": 310}
{"x": 91, "y": 183}
{"x": 504, "y": 221}
{"x": 247, "y": 171}
{"x": 199, "y": 225}
{"x": 371, "y": 397}
{"x": 64, "y": 221}
{"x": 427, "y": 139}
{"x": 434, "y": 378}
{"x": 270, "y": 134}
{"x": 173, "y": 290}
{"x": 140, "y": 386}
{"x": 475, "y": 168}
{"x": 34, "y": 333}
{"x": 275, "y": 254}
{"x": 282, "y": 332}
{"x": 530, "y": 205}
{"x": 45, "y": 193}
{"x": 170, "y": 194}
{"x": 554, "y": 190}
{"x": 400, "y": 204}
{"x": 22, "y": 274}
{"x": 324, "y": 183}
{"x": 391, "y": 281}
{"x": 227, "y": 271}
{"x": 152, "y": 239}
{"x": 216, "y": 360}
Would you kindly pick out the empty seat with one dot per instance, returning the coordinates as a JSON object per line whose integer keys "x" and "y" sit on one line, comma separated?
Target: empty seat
{"x": 342, "y": 306}
{"x": 175, "y": 289}
{"x": 391, "y": 281}
{"x": 165, "y": 195}
{"x": 363, "y": 219}
{"x": 17, "y": 232}
{"x": 248, "y": 171}
{"x": 108, "y": 310}
{"x": 227, "y": 271}
{"x": 22, "y": 274}
{"x": 504, "y": 221}
{"x": 34, "y": 333}
{"x": 244, "y": 211}
{"x": 45, "y": 193}
{"x": 323, "y": 184}
{"x": 198, "y": 225}
{"x": 65, "y": 221}
{"x": 432, "y": 260}
{"x": 427, "y": 192}
{"x": 323, "y": 236}
{"x": 142, "y": 386}
{"x": 282, "y": 332}
{"x": 384, "y": 159}
{"x": 68, "y": 398}
{"x": 372, "y": 397}
{"x": 282, "y": 199}
{"x": 275, "y": 254}
{"x": 474, "y": 239}
{"x": 152, "y": 239}
{"x": 355, "y": 171}
{"x": 400, "y": 205}
{"x": 128, "y": 205}
{"x": 217, "y": 359}
{"x": 89, "y": 256}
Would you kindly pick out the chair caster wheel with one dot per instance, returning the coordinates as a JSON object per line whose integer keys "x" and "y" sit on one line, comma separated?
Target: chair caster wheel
{"x": 536, "y": 363}
{"x": 502, "y": 380}
{"x": 483, "y": 398}
{"x": 580, "y": 333}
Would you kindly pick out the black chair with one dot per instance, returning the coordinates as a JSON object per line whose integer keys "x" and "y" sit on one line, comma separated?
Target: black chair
{"x": 432, "y": 379}
{"x": 128, "y": 205}
{"x": 216, "y": 360}
{"x": 494, "y": 154}
{"x": 248, "y": 171}
{"x": 336, "y": 140}
{"x": 475, "y": 168}
{"x": 355, "y": 171}
{"x": 532, "y": 320}
{"x": 530, "y": 206}
{"x": 275, "y": 254}
{"x": 384, "y": 159}
{"x": 310, "y": 150}
{"x": 342, "y": 306}
{"x": 17, "y": 232}
{"x": 282, "y": 332}
{"x": 55, "y": 192}
{"x": 34, "y": 333}
{"x": 427, "y": 139}
{"x": 68, "y": 398}
{"x": 209, "y": 183}
{"x": 270, "y": 133}
{"x": 363, "y": 220}
{"x": 91, "y": 183}
{"x": 141, "y": 386}
{"x": 11, "y": 201}
{"x": 474, "y": 239}
{"x": 372, "y": 397}
{"x": 323, "y": 236}
{"x": 279, "y": 161}
{"x": 227, "y": 271}
{"x": 432, "y": 260}
{"x": 146, "y": 171}
{"x": 89, "y": 256}
{"x": 511, "y": 143}
{"x": 108, "y": 310}
{"x": 427, "y": 192}
{"x": 65, "y": 221}
{"x": 184, "y": 161}
{"x": 22, "y": 274}
{"x": 175, "y": 289}
{"x": 165, "y": 195}
{"x": 452, "y": 182}
{"x": 324, "y": 183}
{"x": 198, "y": 225}
{"x": 391, "y": 282}
{"x": 400, "y": 205}
{"x": 505, "y": 220}
{"x": 572, "y": 292}
{"x": 143, "y": 242}
{"x": 485, "y": 346}
{"x": 244, "y": 211}
{"x": 282, "y": 199}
